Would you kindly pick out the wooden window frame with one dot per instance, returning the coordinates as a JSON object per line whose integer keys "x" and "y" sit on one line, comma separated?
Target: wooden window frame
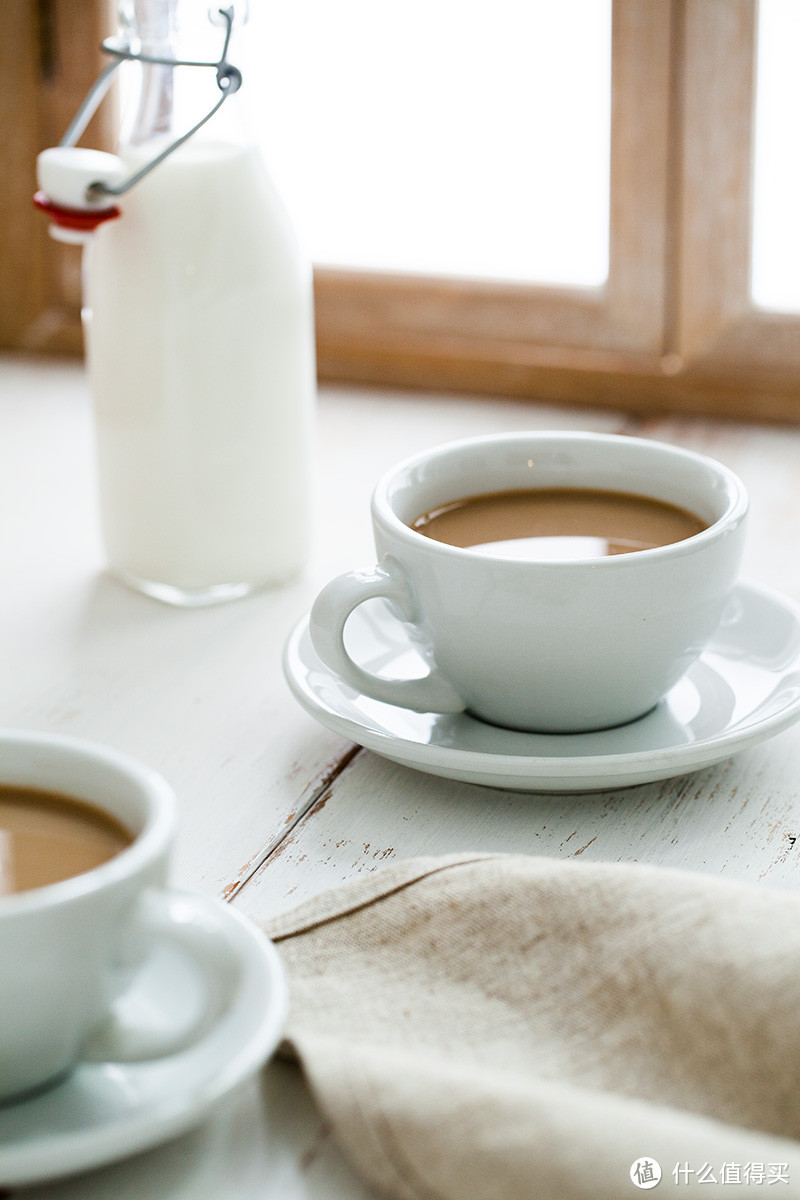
{"x": 49, "y": 56}
{"x": 673, "y": 329}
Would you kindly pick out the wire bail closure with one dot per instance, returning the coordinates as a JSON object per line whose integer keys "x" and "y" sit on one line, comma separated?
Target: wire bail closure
{"x": 229, "y": 80}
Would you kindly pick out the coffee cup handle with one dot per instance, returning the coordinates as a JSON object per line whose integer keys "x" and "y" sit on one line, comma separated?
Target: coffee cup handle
{"x": 335, "y": 603}
{"x": 131, "y": 1032}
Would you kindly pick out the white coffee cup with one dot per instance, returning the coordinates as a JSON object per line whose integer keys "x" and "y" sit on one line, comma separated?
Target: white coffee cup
{"x": 562, "y": 646}
{"x": 70, "y": 950}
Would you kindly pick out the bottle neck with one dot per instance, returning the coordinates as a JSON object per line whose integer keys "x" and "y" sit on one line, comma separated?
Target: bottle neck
{"x": 162, "y": 100}
{"x": 154, "y": 113}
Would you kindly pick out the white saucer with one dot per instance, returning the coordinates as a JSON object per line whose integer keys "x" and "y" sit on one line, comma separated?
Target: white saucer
{"x": 107, "y": 1111}
{"x": 744, "y": 688}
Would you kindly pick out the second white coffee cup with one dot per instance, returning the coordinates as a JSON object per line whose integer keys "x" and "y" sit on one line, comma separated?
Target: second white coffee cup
{"x": 71, "y": 951}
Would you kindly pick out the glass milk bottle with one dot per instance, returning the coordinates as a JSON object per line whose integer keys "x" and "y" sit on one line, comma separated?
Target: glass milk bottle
{"x": 199, "y": 333}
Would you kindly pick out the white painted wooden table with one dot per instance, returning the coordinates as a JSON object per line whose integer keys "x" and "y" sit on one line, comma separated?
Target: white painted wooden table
{"x": 274, "y": 806}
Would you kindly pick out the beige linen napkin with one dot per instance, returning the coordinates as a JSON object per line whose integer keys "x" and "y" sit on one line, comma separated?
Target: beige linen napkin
{"x": 503, "y": 1027}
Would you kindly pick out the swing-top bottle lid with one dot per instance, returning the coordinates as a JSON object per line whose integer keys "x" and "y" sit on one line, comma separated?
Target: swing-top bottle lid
{"x": 77, "y": 186}
{"x": 66, "y": 176}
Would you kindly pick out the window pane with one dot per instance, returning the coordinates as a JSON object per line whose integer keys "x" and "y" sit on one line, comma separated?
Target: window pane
{"x": 437, "y": 137}
{"x": 776, "y": 204}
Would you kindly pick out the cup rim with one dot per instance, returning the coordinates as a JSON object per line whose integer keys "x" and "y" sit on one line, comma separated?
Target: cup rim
{"x": 384, "y": 514}
{"x": 148, "y": 843}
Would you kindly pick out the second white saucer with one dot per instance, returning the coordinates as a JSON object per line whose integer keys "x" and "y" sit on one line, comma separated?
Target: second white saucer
{"x": 106, "y": 1111}
{"x": 743, "y": 689}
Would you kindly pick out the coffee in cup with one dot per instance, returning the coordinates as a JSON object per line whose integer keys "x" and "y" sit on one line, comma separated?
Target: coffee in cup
{"x": 558, "y": 524}
{"x": 570, "y": 640}
{"x": 46, "y": 837}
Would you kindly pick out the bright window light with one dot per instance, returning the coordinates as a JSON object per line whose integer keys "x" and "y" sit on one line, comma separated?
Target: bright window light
{"x": 776, "y": 186}
{"x": 455, "y": 139}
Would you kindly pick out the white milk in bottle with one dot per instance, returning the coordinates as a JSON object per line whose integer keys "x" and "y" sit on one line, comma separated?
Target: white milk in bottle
{"x": 200, "y": 350}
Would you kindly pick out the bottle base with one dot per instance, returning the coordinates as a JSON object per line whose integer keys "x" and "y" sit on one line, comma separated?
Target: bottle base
{"x": 178, "y": 597}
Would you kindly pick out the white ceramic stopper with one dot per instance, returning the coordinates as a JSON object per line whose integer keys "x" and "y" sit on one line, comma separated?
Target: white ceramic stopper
{"x": 64, "y": 174}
